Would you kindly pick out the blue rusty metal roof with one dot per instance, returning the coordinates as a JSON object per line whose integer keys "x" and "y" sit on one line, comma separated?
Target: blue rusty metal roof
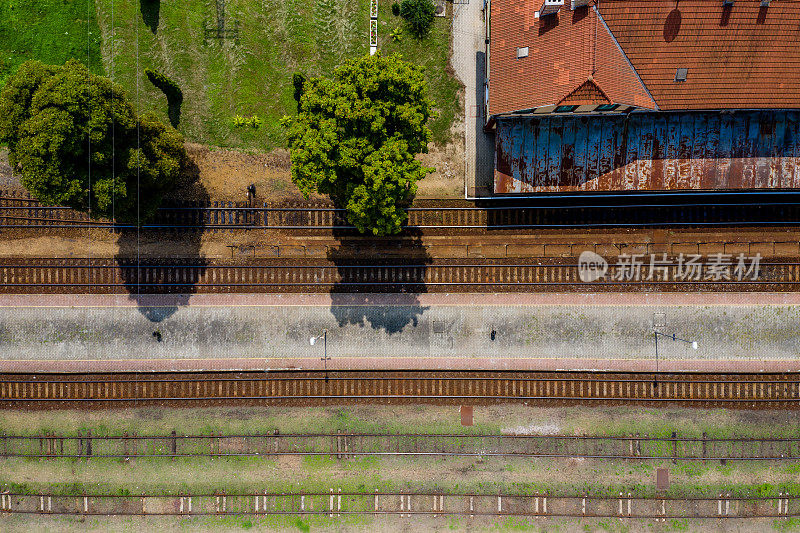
{"x": 648, "y": 151}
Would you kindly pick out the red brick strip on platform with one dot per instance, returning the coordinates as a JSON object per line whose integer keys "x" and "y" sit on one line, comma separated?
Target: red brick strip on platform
{"x": 397, "y": 363}
{"x": 395, "y": 299}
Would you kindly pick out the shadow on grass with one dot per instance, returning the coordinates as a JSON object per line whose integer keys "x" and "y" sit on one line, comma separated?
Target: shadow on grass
{"x": 167, "y": 263}
{"x": 150, "y": 12}
{"x": 174, "y": 109}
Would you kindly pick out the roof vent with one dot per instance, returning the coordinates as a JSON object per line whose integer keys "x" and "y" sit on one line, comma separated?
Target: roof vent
{"x": 680, "y": 74}
{"x": 579, "y": 3}
{"x": 550, "y": 7}
{"x": 522, "y": 52}
{"x": 727, "y": 3}
{"x": 764, "y": 3}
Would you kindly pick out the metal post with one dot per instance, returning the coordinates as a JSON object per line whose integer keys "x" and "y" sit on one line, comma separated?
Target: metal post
{"x": 655, "y": 379}
{"x": 325, "y": 359}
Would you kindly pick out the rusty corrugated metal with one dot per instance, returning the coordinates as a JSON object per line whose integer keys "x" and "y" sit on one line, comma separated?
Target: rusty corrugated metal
{"x": 648, "y": 152}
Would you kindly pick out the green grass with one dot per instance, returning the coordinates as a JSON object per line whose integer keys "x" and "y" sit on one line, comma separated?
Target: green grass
{"x": 252, "y": 75}
{"x": 51, "y": 31}
{"x": 220, "y": 79}
{"x": 433, "y": 53}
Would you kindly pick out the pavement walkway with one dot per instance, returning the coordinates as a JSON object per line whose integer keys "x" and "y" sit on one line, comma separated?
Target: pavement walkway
{"x": 468, "y": 60}
{"x": 394, "y": 363}
{"x": 408, "y": 330}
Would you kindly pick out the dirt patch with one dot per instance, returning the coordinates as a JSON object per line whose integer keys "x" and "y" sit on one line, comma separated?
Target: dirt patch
{"x": 7, "y": 179}
{"x": 448, "y": 180}
{"x": 225, "y": 174}
{"x": 448, "y": 160}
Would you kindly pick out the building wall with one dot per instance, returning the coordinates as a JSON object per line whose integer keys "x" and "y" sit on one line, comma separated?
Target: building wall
{"x": 648, "y": 151}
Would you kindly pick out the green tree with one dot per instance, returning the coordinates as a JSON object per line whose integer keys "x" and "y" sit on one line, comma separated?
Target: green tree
{"x": 76, "y": 141}
{"x": 419, "y": 15}
{"x": 356, "y": 136}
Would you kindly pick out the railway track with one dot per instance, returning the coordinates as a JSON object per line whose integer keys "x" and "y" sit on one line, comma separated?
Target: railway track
{"x": 746, "y": 391}
{"x": 24, "y": 275}
{"x": 346, "y": 445}
{"x": 336, "y": 503}
{"x": 699, "y": 210}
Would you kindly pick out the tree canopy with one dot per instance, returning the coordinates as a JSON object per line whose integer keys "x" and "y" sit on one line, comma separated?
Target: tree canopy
{"x": 76, "y": 141}
{"x": 356, "y": 136}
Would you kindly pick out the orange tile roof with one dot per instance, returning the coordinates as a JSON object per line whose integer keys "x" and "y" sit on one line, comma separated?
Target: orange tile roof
{"x": 744, "y": 56}
{"x": 586, "y": 94}
{"x": 739, "y": 57}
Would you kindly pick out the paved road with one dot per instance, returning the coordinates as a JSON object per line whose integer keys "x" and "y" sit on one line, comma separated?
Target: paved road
{"x": 616, "y": 327}
{"x": 468, "y": 62}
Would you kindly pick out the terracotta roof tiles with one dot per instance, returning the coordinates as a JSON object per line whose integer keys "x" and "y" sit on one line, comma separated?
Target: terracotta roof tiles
{"x": 745, "y": 56}
{"x": 561, "y": 52}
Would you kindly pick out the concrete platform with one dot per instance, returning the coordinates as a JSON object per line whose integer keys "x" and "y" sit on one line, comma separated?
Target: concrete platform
{"x": 756, "y": 331}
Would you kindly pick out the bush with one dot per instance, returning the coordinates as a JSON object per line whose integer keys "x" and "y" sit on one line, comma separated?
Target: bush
{"x": 166, "y": 85}
{"x": 171, "y": 91}
{"x": 253, "y": 121}
{"x": 419, "y": 15}
{"x": 395, "y": 9}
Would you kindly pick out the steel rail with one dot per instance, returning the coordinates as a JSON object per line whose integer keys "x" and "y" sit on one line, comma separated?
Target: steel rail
{"x": 245, "y": 226}
{"x": 428, "y": 376}
{"x": 380, "y": 503}
{"x": 146, "y": 263}
{"x": 265, "y": 211}
{"x": 273, "y": 512}
{"x": 269, "y": 494}
{"x": 474, "y": 397}
{"x": 489, "y": 274}
{"x": 397, "y": 283}
{"x": 393, "y": 454}
{"x": 476, "y": 436}
{"x": 398, "y": 387}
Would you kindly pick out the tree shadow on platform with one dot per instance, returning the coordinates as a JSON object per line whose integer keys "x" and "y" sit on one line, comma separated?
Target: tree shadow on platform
{"x": 160, "y": 268}
{"x": 355, "y": 299}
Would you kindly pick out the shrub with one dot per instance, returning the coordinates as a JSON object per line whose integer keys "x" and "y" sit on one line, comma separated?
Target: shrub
{"x": 165, "y": 84}
{"x": 171, "y": 91}
{"x": 395, "y": 9}
{"x": 253, "y": 121}
{"x": 419, "y": 15}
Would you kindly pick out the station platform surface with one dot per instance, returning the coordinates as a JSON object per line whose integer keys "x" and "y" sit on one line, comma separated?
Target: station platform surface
{"x": 395, "y": 363}
{"x": 754, "y": 331}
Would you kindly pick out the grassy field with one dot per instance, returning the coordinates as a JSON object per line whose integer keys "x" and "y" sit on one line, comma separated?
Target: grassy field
{"x": 252, "y": 74}
{"x": 220, "y": 78}
{"x": 52, "y": 31}
{"x": 488, "y": 475}
{"x": 432, "y": 52}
